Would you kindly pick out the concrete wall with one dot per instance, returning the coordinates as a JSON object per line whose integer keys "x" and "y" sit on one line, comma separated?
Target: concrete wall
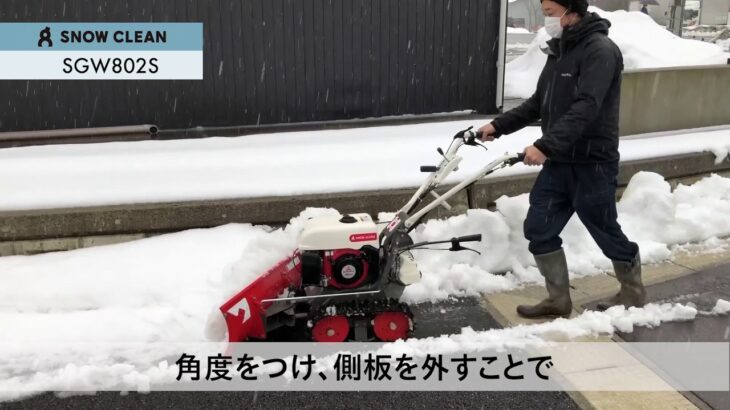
{"x": 650, "y": 99}
{"x": 29, "y": 232}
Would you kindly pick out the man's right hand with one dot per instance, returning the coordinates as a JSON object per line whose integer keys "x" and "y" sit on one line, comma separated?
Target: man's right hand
{"x": 488, "y": 132}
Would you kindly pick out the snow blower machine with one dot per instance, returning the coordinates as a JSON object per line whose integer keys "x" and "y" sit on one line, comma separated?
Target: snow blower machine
{"x": 346, "y": 278}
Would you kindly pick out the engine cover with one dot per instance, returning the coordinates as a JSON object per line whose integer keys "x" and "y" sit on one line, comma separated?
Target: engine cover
{"x": 346, "y": 268}
{"x": 338, "y": 232}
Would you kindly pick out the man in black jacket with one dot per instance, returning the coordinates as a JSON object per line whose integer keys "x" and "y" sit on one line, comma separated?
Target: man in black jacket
{"x": 577, "y": 99}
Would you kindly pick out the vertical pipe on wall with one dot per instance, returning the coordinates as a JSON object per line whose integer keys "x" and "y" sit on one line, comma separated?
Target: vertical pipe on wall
{"x": 501, "y": 53}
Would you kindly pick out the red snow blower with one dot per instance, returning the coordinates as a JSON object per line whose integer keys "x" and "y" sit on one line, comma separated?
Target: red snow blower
{"x": 346, "y": 278}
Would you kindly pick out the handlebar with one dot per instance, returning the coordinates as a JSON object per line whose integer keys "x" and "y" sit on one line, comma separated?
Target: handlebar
{"x": 471, "y": 136}
{"x": 519, "y": 158}
{"x": 439, "y": 173}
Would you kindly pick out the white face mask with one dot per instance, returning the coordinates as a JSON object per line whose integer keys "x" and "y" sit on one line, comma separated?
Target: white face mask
{"x": 553, "y": 26}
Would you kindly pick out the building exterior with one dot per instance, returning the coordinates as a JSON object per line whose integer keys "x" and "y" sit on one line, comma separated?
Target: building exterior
{"x": 278, "y": 61}
{"x": 611, "y": 5}
{"x": 714, "y": 12}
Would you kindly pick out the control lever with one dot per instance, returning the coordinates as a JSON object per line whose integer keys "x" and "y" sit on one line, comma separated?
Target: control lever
{"x": 456, "y": 243}
{"x": 460, "y": 134}
{"x": 472, "y": 140}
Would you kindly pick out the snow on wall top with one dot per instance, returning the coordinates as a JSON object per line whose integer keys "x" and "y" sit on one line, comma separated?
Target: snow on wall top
{"x": 643, "y": 43}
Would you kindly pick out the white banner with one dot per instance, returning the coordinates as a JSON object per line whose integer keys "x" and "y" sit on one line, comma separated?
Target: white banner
{"x": 101, "y": 65}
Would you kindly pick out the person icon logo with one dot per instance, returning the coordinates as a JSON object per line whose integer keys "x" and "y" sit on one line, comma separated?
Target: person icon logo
{"x": 45, "y": 37}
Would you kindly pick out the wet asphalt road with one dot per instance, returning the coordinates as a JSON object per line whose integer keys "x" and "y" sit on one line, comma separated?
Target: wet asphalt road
{"x": 304, "y": 400}
{"x": 703, "y": 290}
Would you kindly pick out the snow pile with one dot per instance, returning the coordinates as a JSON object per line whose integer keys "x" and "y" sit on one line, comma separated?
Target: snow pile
{"x": 721, "y": 307}
{"x": 649, "y": 212}
{"x": 656, "y": 216}
{"x": 154, "y": 289}
{"x": 643, "y": 43}
{"x": 151, "y": 290}
{"x": 522, "y": 73}
{"x": 517, "y": 30}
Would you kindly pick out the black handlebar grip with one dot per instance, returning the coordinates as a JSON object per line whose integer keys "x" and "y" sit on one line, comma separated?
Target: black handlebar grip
{"x": 429, "y": 168}
{"x": 495, "y": 136}
{"x": 470, "y": 238}
{"x": 518, "y": 158}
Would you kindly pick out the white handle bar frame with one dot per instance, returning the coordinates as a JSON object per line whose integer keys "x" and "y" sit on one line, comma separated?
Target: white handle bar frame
{"x": 446, "y": 167}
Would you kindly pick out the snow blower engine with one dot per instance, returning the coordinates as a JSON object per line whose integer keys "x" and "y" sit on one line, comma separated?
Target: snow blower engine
{"x": 346, "y": 277}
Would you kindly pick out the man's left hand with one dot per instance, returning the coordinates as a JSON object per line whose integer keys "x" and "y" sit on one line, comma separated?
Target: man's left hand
{"x": 534, "y": 156}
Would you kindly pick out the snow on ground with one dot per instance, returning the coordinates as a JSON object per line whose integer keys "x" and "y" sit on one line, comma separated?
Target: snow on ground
{"x": 281, "y": 164}
{"x": 160, "y": 290}
{"x": 643, "y": 43}
{"x": 588, "y": 323}
{"x": 517, "y": 30}
{"x": 722, "y": 307}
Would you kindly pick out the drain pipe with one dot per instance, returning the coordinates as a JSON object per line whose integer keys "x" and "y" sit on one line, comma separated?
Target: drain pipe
{"x": 78, "y": 135}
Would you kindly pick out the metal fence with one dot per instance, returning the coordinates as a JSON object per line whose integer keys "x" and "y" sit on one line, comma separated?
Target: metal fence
{"x": 277, "y": 61}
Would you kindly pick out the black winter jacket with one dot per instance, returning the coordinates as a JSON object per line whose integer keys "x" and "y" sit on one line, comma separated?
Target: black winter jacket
{"x": 577, "y": 96}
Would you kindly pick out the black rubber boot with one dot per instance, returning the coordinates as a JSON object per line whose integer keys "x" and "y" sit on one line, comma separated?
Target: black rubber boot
{"x": 632, "y": 292}
{"x": 554, "y": 268}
